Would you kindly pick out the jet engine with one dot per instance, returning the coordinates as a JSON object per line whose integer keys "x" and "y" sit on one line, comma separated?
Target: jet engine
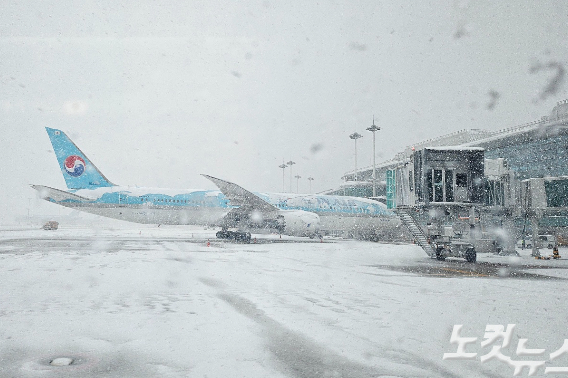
{"x": 300, "y": 223}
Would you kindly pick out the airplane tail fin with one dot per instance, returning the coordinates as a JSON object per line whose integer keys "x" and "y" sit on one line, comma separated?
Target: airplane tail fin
{"x": 77, "y": 169}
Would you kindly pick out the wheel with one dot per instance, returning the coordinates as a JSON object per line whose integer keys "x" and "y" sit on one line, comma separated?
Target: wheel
{"x": 439, "y": 255}
{"x": 471, "y": 255}
{"x": 243, "y": 237}
{"x": 549, "y": 246}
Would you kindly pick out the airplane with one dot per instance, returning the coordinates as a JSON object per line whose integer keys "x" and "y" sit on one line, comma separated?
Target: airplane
{"x": 230, "y": 207}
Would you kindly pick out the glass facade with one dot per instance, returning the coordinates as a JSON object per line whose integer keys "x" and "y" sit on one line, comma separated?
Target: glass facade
{"x": 357, "y": 191}
{"x": 534, "y": 158}
{"x": 556, "y": 193}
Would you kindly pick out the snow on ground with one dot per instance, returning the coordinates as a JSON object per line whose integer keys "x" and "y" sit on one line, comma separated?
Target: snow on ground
{"x": 147, "y": 301}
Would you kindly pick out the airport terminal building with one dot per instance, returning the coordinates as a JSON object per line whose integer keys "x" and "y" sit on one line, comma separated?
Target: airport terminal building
{"x": 518, "y": 172}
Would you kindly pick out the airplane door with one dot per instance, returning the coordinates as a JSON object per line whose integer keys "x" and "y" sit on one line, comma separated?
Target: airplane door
{"x": 121, "y": 200}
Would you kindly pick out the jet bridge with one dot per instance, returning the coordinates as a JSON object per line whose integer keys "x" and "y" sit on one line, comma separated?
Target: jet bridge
{"x": 544, "y": 207}
{"x": 439, "y": 190}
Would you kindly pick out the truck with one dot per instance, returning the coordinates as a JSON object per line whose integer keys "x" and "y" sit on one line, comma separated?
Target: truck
{"x": 51, "y": 225}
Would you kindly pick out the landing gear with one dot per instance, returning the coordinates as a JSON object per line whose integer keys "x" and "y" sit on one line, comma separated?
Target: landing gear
{"x": 224, "y": 234}
{"x": 241, "y": 237}
{"x": 315, "y": 235}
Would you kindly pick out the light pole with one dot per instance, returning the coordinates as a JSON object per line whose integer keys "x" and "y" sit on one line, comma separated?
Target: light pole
{"x": 355, "y": 136}
{"x": 374, "y": 129}
{"x": 290, "y": 164}
{"x": 310, "y": 179}
{"x": 298, "y": 177}
{"x": 283, "y": 166}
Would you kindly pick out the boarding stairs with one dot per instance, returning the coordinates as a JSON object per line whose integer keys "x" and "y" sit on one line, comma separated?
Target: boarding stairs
{"x": 403, "y": 213}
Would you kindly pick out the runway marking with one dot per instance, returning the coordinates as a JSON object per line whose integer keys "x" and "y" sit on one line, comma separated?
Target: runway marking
{"x": 453, "y": 269}
{"x": 466, "y": 272}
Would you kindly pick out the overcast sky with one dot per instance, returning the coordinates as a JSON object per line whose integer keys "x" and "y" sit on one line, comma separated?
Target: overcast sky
{"x": 156, "y": 93}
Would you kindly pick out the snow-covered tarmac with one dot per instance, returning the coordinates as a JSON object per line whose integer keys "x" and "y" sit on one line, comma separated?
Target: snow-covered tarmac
{"x": 142, "y": 301}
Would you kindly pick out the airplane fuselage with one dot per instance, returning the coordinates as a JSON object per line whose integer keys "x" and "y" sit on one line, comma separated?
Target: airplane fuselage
{"x": 209, "y": 207}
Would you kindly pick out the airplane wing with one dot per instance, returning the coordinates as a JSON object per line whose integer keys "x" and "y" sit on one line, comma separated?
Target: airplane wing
{"x": 57, "y": 195}
{"x": 238, "y": 196}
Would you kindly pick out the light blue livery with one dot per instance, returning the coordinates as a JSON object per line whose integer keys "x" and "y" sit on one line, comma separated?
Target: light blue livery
{"x": 78, "y": 171}
{"x": 230, "y": 207}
